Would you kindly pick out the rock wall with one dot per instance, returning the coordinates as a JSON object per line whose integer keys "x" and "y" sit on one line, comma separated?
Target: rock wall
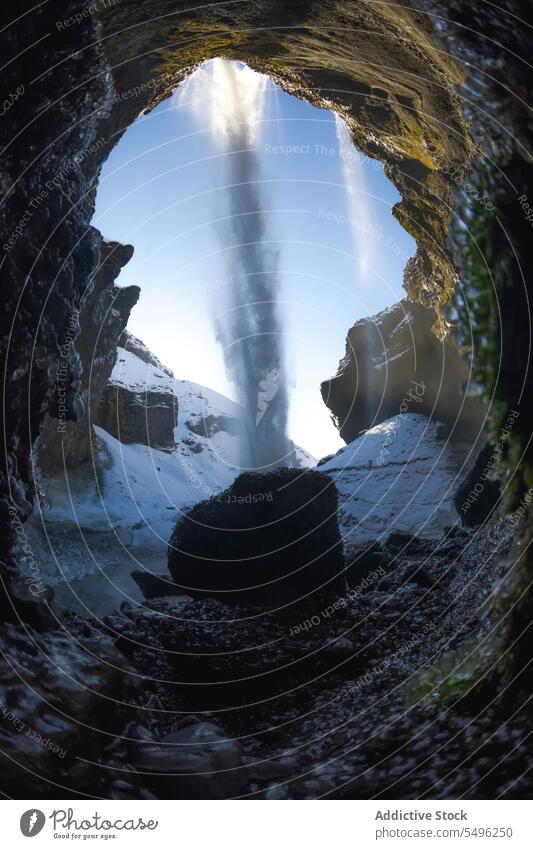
{"x": 148, "y": 418}
{"x": 103, "y": 316}
{"x": 395, "y": 364}
{"x": 139, "y": 404}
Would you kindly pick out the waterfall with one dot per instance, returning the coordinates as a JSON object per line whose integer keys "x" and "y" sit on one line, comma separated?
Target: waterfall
{"x": 248, "y": 326}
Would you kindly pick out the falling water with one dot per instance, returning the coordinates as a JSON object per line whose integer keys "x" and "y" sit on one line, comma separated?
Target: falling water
{"x": 363, "y": 229}
{"x": 248, "y": 325}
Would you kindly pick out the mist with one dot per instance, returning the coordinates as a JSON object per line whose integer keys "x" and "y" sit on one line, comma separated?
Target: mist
{"x": 365, "y": 231}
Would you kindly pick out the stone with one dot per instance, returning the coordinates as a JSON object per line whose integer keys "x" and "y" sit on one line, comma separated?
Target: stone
{"x": 271, "y": 535}
{"x": 199, "y": 761}
{"x": 393, "y": 365}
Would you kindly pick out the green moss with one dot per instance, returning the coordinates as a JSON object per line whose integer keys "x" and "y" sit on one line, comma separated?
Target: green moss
{"x": 484, "y": 315}
{"x": 452, "y": 679}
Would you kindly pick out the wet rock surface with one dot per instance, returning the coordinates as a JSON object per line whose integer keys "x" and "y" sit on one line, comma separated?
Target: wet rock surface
{"x": 145, "y": 411}
{"x": 395, "y": 364}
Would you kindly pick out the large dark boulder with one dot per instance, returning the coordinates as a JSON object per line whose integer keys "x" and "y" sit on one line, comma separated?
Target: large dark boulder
{"x": 478, "y": 493}
{"x": 271, "y": 536}
{"x": 394, "y": 363}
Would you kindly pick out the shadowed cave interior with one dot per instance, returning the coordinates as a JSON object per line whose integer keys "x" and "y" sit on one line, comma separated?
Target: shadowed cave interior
{"x": 283, "y": 626}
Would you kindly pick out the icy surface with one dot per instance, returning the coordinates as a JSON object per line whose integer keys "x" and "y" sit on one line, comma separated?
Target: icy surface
{"x": 398, "y": 476}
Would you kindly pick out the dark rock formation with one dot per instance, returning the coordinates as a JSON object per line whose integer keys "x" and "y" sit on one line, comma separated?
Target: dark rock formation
{"x": 273, "y": 535}
{"x": 132, "y": 409}
{"x": 393, "y": 86}
{"x": 93, "y": 338}
{"x": 478, "y": 494}
{"x": 395, "y": 364}
{"x": 148, "y": 418}
{"x": 364, "y": 565}
{"x": 334, "y": 671}
{"x": 51, "y": 687}
{"x": 196, "y": 762}
{"x": 49, "y": 250}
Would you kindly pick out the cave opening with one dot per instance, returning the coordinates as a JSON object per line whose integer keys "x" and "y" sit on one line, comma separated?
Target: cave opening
{"x": 342, "y": 690}
{"x": 311, "y": 230}
{"x": 191, "y": 194}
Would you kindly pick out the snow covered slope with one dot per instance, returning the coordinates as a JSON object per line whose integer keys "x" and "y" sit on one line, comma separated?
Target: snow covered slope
{"x": 129, "y": 497}
{"x": 398, "y": 476}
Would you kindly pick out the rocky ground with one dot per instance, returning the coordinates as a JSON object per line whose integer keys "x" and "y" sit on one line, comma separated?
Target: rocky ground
{"x": 334, "y": 697}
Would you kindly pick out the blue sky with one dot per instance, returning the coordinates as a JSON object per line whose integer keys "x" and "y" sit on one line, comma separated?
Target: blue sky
{"x": 161, "y": 191}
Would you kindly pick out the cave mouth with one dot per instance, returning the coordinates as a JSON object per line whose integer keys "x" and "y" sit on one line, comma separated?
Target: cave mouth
{"x": 285, "y": 198}
{"x": 320, "y": 692}
{"x": 261, "y": 234}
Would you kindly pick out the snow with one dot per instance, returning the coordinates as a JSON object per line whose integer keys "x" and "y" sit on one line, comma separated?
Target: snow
{"x": 130, "y": 496}
{"x": 134, "y": 373}
{"x": 398, "y": 476}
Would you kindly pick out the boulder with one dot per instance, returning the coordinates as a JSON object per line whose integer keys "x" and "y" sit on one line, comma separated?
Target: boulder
{"x": 395, "y": 364}
{"x": 274, "y": 535}
{"x": 199, "y": 761}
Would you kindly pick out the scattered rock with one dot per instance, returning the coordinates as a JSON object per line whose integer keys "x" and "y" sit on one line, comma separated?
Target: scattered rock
{"x": 199, "y": 761}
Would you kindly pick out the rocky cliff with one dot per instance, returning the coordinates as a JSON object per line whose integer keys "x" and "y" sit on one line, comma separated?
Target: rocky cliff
{"x": 395, "y": 364}
{"x": 91, "y": 342}
{"x": 139, "y": 404}
{"x": 268, "y": 537}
